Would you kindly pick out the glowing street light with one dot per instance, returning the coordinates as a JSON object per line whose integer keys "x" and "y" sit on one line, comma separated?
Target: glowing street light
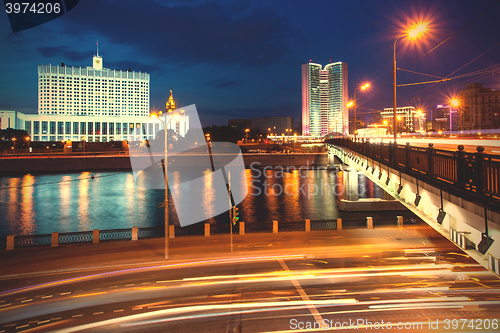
{"x": 246, "y": 134}
{"x": 353, "y": 102}
{"x": 154, "y": 116}
{"x": 414, "y": 32}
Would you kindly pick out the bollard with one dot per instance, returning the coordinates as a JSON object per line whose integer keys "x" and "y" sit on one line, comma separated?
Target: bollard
{"x": 134, "y": 234}
{"x": 242, "y": 228}
{"x": 400, "y": 221}
{"x": 171, "y": 231}
{"x": 207, "y": 229}
{"x": 10, "y": 243}
{"x": 95, "y": 236}
{"x": 369, "y": 222}
{"x": 275, "y": 227}
{"x": 308, "y": 225}
{"x": 339, "y": 224}
{"x": 55, "y": 239}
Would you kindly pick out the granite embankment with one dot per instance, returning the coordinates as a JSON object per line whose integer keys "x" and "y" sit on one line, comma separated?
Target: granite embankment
{"x": 112, "y": 162}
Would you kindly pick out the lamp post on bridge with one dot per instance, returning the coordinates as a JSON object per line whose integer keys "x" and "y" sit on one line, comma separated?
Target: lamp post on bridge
{"x": 165, "y": 161}
{"x": 413, "y": 33}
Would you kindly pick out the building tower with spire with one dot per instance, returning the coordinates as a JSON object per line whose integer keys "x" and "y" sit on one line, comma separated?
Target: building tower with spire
{"x": 170, "y": 105}
{"x": 97, "y": 60}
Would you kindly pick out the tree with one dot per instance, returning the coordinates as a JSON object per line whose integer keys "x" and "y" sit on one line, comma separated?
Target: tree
{"x": 8, "y": 135}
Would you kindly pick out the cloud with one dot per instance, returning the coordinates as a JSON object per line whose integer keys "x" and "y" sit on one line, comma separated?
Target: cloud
{"x": 209, "y": 32}
{"x": 62, "y": 51}
{"x": 223, "y": 83}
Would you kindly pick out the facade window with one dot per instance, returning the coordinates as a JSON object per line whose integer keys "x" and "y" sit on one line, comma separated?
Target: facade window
{"x": 36, "y": 127}
{"x": 67, "y": 126}
{"x": 98, "y": 128}
{"x": 111, "y": 128}
{"x": 82, "y": 128}
{"x": 90, "y": 127}
{"x": 104, "y": 128}
{"x": 27, "y": 126}
{"x": 75, "y": 127}
{"x": 60, "y": 127}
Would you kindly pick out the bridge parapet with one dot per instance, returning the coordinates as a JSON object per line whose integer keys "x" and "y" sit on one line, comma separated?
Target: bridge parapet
{"x": 473, "y": 176}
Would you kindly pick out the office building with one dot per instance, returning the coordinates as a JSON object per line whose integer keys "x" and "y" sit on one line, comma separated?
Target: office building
{"x": 478, "y": 108}
{"x": 273, "y": 125}
{"x": 408, "y": 119}
{"x": 324, "y": 99}
{"x": 92, "y": 104}
{"x": 444, "y": 118}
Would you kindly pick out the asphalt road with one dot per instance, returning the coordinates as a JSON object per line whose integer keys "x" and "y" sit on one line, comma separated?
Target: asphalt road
{"x": 411, "y": 277}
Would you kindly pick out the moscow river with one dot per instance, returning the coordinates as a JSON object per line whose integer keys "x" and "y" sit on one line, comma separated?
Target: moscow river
{"x": 45, "y": 203}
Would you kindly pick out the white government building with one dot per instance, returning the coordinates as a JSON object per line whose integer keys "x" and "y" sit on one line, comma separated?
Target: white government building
{"x": 94, "y": 104}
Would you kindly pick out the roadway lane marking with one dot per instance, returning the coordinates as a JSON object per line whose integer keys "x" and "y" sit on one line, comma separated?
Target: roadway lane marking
{"x": 129, "y": 285}
{"x": 146, "y": 282}
{"x": 62, "y": 294}
{"x": 18, "y": 327}
{"x": 47, "y": 296}
{"x": 27, "y": 300}
{"x": 118, "y": 310}
{"x": 43, "y": 322}
{"x": 5, "y": 305}
{"x": 75, "y": 316}
{"x": 303, "y": 295}
{"x": 55, "y": 318}
{"x": 97, "y": 313}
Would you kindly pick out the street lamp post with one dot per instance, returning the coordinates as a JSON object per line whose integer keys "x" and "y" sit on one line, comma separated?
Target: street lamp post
{"x": 14, "y": 139}
{"x": 354, "y": 102}
{"x": 165, "y": 161}
{"x": 246, "y": 134}
{"x": 28, "y": 139}
{"x": 413, "y": 33}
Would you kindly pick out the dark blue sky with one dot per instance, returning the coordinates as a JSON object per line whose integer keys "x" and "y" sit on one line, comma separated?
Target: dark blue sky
{"x": 242, "y": 59}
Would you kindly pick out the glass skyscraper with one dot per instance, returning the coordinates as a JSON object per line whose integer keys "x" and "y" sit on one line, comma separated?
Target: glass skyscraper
{"x": 324, "y": 99}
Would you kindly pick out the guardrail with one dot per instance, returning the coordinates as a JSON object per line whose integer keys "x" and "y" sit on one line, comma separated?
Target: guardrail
{"x": 96, "y": 236}
{"x": 475, "y": 175}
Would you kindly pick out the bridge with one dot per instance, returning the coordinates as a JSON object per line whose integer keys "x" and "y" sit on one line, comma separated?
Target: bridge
{"x": 456, "y": 192}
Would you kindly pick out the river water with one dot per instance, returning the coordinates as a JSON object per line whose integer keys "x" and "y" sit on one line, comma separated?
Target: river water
{"x": 45, "y": 203}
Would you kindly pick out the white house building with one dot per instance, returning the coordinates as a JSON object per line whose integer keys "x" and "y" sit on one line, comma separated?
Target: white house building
{"x": 95, "y": 104}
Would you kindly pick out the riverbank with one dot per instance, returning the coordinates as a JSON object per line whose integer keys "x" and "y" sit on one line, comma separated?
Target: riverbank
{"x": 57, "y": 163}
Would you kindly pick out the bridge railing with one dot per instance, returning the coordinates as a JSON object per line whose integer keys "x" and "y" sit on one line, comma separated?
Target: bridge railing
{"x": 474, "y": 174}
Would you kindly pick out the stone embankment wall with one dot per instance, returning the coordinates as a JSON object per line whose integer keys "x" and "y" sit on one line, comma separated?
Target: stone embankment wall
{"x": 56, "y": 164}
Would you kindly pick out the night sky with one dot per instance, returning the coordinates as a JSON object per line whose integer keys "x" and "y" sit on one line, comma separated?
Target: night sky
{"x": 243, "y": 59}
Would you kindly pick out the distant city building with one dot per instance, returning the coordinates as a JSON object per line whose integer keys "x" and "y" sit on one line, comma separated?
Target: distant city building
{"x": 408, "y": 119}
{"x": 479, "y": 108}
{"x": 273, "y": 125}
{"x": 444, "y": 118}
{"x": 92, "y": 103}
{"x": 437, "y": 126}
{"x": 372, "y": 132}
{"x": 324, "y": 99}
{"x": 239, "y": 123}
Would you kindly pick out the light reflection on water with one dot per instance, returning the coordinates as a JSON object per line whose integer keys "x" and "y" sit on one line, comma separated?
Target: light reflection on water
{"x": 41, "y": 204}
